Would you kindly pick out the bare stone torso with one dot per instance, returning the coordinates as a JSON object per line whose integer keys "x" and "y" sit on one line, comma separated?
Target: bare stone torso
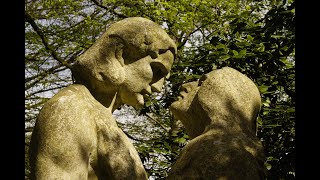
{"x": 79, "y": 136}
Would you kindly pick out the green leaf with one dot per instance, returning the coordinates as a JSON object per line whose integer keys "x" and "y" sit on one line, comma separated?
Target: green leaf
{"x": 180, "y": 140}
{"x": 263, "y": 89}
{"x": 214, "y": 66}
{"x": 267, "y": 105}
{"x": 235, "y": 53}
{"x": 220, "y": 46}
{"x": 168, "y": 147}
{"x": 259, "y": 121}
{"x": 224, "y": 57}
{"x": 148, "y": 103}
{"x": 260, "y": 47}
{"x": 242, "y": 52}
{"x": 277, "y": 36}
{"x": 250, "y": 38}
{"x": 267, "y": 165}
{"x": 157, "y": 12}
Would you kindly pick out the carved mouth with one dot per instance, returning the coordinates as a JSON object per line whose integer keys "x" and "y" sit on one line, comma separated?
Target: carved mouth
{"x": 182, "y": 94}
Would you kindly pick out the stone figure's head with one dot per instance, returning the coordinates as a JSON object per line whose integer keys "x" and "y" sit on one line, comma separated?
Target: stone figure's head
{"x": 223, "y": 98}
{"x": 132, "y": 58}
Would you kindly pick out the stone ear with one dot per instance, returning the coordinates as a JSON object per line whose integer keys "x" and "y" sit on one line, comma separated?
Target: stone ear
{"x": 111, "y": 73}
{"x": 118, "y": 45}
{"x": 111, "y": 68}
{"x": 118, "y": 54}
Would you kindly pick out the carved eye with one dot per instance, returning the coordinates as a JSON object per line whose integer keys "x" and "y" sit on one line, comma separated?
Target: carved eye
{"x": 162, "y": 51}
{"x": 153, "y": 54}
{"x": 159, "y": 71}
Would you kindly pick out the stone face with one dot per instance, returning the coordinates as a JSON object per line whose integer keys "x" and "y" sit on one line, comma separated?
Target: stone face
{"x": 75, "y": 136}
{"x": 132, "y": 58}
{"x": 219, "y": 113}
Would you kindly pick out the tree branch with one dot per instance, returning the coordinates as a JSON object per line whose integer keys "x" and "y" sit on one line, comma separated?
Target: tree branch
{"x": 43, "y": 100}
{"x": 131, "y": 137}
{"x": 51, "y": 70}
{"x": 42, "y": 90}
{"x": 41, "y": 76}
{"x": 48, "y": 71}
{"x": 54, "y": 54}
{"x": 187, "y": 36}
{"x": 108, "y": 9}
{"x": 164, "y": 128}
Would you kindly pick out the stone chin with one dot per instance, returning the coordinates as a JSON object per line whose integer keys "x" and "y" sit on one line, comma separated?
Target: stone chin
{"x": 182, "y": 105}
{"x": 175, "y": 105}
{"x": 178, "y": 109}
{"x": 135, "y": 100}
{"x": 140, "y": 101}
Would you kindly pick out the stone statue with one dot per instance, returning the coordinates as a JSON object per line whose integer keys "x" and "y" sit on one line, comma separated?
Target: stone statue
{"x": 219, "y": 113}
{"x": 75, "y": 136}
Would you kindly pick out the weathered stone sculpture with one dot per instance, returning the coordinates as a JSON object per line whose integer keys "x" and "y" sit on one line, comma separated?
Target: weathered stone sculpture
{"x": 75, "y": 136}
{"x": 219, "y": 115}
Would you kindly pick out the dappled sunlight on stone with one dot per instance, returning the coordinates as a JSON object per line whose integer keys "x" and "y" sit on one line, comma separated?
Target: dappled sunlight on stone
{"x": 75, "y": 135}
{"x": 221, "y": 117}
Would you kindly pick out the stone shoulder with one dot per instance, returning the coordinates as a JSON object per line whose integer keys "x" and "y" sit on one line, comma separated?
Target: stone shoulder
{"x": 72, "y": 98}
{"x": 74, "y": 103}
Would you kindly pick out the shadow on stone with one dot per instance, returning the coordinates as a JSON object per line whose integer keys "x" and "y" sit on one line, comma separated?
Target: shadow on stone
{"x": 221, "y": 117}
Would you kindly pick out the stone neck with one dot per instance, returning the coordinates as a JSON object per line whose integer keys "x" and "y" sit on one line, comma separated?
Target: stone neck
{"x": 109, "y": 99}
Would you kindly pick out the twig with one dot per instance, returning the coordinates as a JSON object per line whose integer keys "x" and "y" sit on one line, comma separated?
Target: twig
{"x": 164, "y": 128}
{"x": 54, "y": 54}
{"x": 108, "y": 9}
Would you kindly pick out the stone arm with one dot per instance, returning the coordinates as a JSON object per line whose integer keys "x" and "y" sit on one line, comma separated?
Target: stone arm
{"x": 117, "y": 158}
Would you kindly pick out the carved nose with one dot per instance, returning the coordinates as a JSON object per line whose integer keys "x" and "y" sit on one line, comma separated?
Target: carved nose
{"x": 187, "y": 87}
{"x": 159, "y": 71}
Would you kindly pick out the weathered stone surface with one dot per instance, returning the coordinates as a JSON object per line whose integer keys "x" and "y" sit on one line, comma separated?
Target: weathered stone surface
{"x": 75, "y": 136}
{"x": 129, "y": 54}
{"x": 219, "y": 114}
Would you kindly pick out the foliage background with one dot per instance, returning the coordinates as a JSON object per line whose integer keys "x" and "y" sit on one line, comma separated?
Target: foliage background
{"x": 255, "y": 37}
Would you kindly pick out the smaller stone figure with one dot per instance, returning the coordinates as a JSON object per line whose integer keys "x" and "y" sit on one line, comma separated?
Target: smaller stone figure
{"x": 219, "y": 113}
{"x": 75, "y": 136}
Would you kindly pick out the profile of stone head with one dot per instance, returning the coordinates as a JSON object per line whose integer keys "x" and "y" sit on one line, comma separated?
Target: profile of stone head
{"x": 131, "y": 58}
{"x": 219, "y": 113}
{"x": 75, "y": 135}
